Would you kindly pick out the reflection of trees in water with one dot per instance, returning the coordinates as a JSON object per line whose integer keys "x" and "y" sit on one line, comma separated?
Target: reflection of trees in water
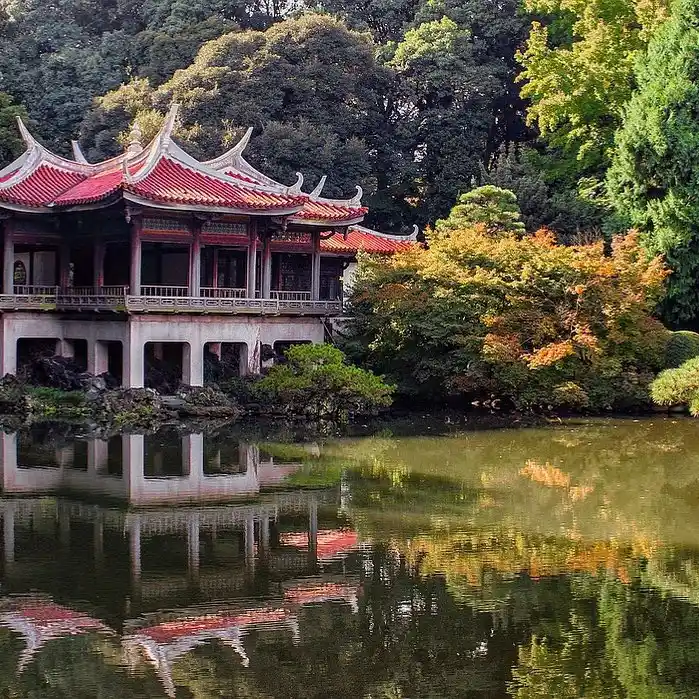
{"x": 558, "y": 636}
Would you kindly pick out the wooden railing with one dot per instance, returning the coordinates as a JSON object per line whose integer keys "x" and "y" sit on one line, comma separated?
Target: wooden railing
{"x": 217, "y": 292}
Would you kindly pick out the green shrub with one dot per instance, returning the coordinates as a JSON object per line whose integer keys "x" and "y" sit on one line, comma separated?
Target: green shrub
{"x": 681, "y": 346}
{"x": 678, "y": 386}
{"x": 317, "y": 381}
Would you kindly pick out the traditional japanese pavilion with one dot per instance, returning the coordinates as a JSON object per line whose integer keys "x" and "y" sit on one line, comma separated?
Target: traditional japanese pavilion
{"x": 154, "y": 247}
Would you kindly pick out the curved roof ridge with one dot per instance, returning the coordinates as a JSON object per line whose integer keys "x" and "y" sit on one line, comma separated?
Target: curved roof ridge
{"x": 49, "y": 156}
{"x": 351, "y": 202}
{"x": 390, "y": 236}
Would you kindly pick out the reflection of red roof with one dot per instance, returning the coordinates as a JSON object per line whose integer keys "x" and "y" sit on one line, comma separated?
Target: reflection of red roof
{"x": 168, "y": 632}
{"x": 171, "y": 182}
{"x": 331, "y": 542}
{"x": 41, "y": 186}
{"x": 357, "y": 240}
{"x": 319, "y": 210}
{"x": 308, "y": 593}
{"x": 43, "y": 615}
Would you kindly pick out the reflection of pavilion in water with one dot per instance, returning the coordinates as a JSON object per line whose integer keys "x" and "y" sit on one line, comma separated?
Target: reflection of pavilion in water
{"x": 140, "y": 469}
{"x": 129, "y": 563}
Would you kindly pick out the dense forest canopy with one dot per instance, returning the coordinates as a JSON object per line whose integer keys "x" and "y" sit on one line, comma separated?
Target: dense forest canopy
{"x": 418, "y": 101}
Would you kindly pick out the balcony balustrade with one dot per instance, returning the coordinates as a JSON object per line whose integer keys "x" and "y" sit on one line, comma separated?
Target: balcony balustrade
{"x": 166, "y": 291}
{"x": 213, "y": 292}
{"x": 165, "y": 299}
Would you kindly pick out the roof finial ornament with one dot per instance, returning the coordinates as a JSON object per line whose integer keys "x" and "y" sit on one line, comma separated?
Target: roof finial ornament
{"x": 125, "y": 171}
{"x": 414, "y": 234}
{"x": 296, "y": 187}
{"x": 28, "y": 139}
{"x": 319, "y": 187}
{"x": 135, "y": 146}
{"x": 78, "y": 153}
{"x": 168, "y": 126}
{"x": 356, "y": 200}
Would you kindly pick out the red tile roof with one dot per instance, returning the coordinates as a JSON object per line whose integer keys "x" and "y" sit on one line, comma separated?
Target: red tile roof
{"x": 169, "y": 181}
{"x": 91, "y": 189}
{"x": 166, "y": 174}
{"x": 371, "y": 243}
{"x": 41, "y": 186}
{"x": 318, "y": 210}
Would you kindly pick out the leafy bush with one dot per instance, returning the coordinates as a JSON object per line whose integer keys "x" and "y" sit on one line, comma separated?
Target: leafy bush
{"x": 316, "y": 381}
{"x": 482, "y": 314}
{"x": 678, "y": 386}
{"x": 681, "y": 346}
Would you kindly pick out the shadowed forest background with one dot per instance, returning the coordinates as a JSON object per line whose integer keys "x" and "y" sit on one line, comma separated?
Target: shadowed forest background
{"x": 574, "y": 106}
{"x": 416, "y": 101}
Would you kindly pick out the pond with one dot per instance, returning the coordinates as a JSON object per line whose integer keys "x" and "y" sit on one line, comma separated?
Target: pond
{"x": 557, "y": 561}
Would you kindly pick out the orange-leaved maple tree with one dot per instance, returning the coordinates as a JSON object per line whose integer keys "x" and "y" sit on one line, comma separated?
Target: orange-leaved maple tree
{"x": 487, "y": 315}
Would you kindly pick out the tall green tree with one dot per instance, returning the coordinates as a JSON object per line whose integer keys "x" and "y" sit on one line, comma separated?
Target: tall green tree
{"x": 311, "y": 87}
{"x": 579, "y": 70}
{"x": 654, "y": 179}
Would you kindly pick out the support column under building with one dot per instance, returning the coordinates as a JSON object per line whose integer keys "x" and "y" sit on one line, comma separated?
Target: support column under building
{"x": 97, "y": 357}
{"x": 8, "y": 350}
{"x": 65, "y": 348}
{"x": 193, "y": 364}
{"x": 133, "y": 362}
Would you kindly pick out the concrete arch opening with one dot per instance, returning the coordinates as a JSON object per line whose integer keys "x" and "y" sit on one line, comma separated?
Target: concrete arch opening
{"x": 225, "y": 360}
{"x": 166, "y": 366}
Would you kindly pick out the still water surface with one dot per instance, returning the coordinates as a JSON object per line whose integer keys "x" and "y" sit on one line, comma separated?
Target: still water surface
{"x": 549, "y": 562}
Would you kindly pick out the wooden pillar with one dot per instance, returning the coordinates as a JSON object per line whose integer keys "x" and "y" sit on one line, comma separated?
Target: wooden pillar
{"x": 267, "y": 268}
{"x": 8, "y": 266}
{"x": 214, "y": 277}
{"x": 136, "y": 258}
{"x": 98, "y": 264}
{"x": 64, "y": 276}
{"x": 252, "y": 261}
{"x": 315, "y": 268}
{"x": 195, "y": 261}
